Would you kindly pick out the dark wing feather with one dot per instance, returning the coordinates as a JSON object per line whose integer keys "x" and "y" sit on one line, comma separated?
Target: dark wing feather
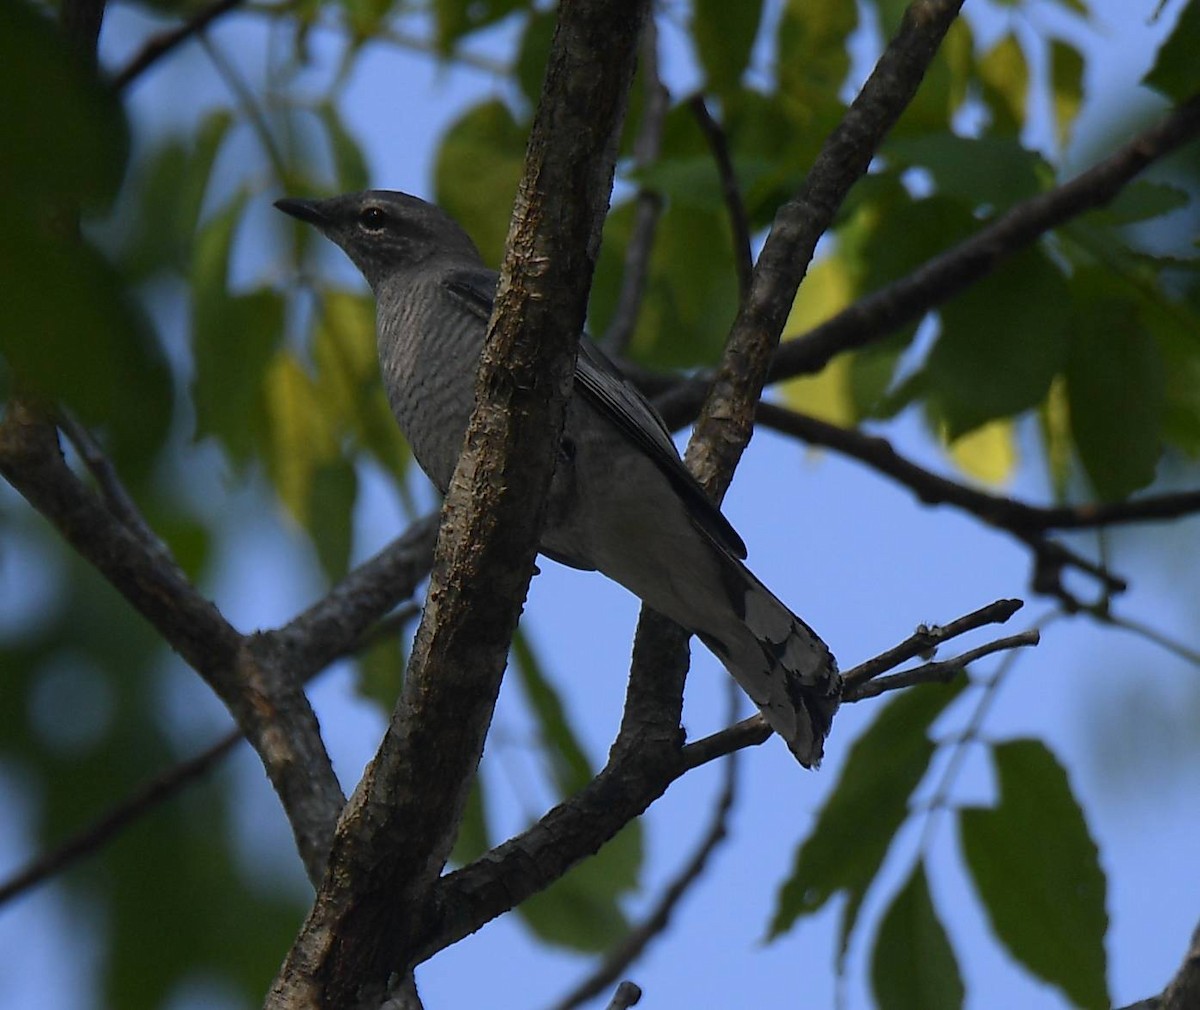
{"x": 601, "y": 383}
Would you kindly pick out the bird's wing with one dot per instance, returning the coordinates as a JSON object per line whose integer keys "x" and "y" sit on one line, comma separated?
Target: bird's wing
{"x": 600, "y": 381}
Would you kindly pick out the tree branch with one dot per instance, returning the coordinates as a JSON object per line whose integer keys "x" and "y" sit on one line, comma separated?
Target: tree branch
{"x": 265, "y": 699}
{"x": 158, "y": 47}
{"x": 396, "y": 832}
{"x": 648, "y": 206}
{"x": 739, "y": 222}
{"x": 646, "y": 757}
{"x": 877, "y": 315}
{"x": 996, "y": 510}
{"x": 655, "y": 923}
{"x": 98, "y": 834}
{"x": 726, "y": 422}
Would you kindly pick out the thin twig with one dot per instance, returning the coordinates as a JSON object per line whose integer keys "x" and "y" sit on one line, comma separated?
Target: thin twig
{"x": 942, "y": 671}
{"x": 95, "y": 836}
{"x": 927, "y": 638}
{"x": 997, "y": 510}
{"x": 119, "y": 501}
{"x": 648, "y": 205}
{"x": 731, "y": 192}
{"x": 627, "y": 995}
{"x": 158, "y": 47}
{"x": 256, "y": 683}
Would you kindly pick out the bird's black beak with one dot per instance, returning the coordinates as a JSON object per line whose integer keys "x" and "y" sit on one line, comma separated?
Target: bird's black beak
{"x": 304, "y": 210}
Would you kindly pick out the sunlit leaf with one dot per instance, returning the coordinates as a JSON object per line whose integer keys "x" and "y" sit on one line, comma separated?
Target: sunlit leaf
{"x": 827, "y": 289}
{"x": 1038, "y": 873}
{"x": 813, "y": 60}
{"x": 299, "y": 435}
{"x": 865, "y": 809}
{"x": 913, "y": 965}
{"x": 988, "y": 453}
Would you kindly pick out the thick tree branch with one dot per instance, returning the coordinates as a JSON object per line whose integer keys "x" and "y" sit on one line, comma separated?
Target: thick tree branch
{"x": 504, "y": 877}
{"x": 646, "y": 758}
{"x": 396, "y": 832}
{"x": 264, "y": 698}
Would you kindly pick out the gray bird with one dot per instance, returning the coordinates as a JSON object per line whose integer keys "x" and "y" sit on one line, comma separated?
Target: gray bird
{"x": 621, "y": 501}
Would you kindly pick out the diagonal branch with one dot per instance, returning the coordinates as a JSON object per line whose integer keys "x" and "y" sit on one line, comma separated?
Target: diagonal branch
{"x": 265, "y": 699}
{"x": 162, "y": 44}
{"x": 877, "y": 315}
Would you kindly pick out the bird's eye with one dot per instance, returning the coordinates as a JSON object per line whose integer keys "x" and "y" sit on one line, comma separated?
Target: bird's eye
{"x": 372, "y": 218}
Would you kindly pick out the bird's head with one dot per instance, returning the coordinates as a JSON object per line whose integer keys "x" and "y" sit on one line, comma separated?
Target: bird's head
{"x": 384, "y": 232}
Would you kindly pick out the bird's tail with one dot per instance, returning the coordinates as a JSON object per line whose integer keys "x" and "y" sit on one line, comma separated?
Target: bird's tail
{"x": 780, "y": 662}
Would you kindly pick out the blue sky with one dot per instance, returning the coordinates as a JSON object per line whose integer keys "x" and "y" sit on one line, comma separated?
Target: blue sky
{"x": 851, "y": 552}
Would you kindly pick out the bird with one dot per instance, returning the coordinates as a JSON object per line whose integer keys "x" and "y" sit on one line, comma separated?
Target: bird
{"x": 621, "y": 500}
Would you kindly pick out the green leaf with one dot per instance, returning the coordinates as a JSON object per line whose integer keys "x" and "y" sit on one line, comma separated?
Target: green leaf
{"x": 864, "y": 811}
{"x": 71, "y": 334}
{"x": 65, "y": 136}
{"x": 813, "y": 57}
{"x": 977, "y": 171}
{"x": 724, "y": 33}
{"x": 331, "y": 496}
{"x": 348, "y": 380}
{"x": 1066, "y": 87}
{"x": 1038, "y": 873}
{"x": 1176, "y": 72}
{"x": 533, "y": 53}
{"x": 1002, "y": 343}
{"x": 913, "y": 965}
{"x": 349, "y": 165}
{"x": 472, "y": 841}
{"x": 691, "y": 292}
{"x": 233, "y": 338}
{"x": 1141, "y": 200}
{"x": 569, "y": 765}
{"x": 1004, "y": 76}
{"x": 478, "y": 167}
{"x": 580, "y": 910}
{"x": 300, "y": 436}
{"x": 1115, "y": 388}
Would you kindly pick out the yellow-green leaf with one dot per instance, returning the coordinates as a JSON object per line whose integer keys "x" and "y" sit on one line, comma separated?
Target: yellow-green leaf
{"x": 988, "y": 453}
